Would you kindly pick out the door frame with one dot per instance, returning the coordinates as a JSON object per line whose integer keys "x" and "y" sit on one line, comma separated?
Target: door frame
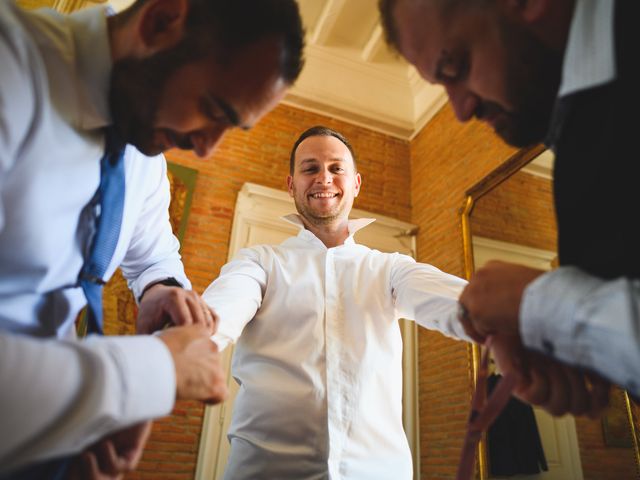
{"x": 262, "y": 206}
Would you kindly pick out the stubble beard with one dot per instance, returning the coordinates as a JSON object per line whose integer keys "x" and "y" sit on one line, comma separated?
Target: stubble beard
{"x": 137, "y": 88}
{"x": 315, "y": 218}
{"x": 134, "y": 97}
{"x": 533, "y": 79}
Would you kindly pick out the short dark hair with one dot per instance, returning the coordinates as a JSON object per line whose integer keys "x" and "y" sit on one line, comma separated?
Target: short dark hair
{"x": 231, "y": 25}
{"x": 319, "y": 131}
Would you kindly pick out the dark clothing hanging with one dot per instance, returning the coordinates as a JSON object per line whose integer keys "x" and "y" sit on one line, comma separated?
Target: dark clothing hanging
{"x": 513, "y": 441}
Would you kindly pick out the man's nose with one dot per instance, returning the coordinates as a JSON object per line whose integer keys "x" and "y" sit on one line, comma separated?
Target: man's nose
{"x": 205, "y": 143}
{"x": 324, "y": 176}
{"x": 464, "y": 102}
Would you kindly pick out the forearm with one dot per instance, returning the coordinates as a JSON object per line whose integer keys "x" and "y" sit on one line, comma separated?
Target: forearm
{"x": 58, "y": 397}
{"x": 429, "y": 296}
{"x": 236, "y": 296}
{"x": 585, "y": 321}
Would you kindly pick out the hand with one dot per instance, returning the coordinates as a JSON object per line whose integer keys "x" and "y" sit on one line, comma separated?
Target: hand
{"x": 492, "y": 299}
{"x": 199, "y": 373}
{"x": 112, "y": 456}
{"x": 162, "y": 305}
{"x": 557, "y": 388}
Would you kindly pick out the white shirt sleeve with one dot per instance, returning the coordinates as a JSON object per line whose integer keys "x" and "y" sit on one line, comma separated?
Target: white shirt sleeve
{"x": 427, "y": 295}
{"x": 58, "y": 397}
{"x": 17, "y": 103}
{"x": 153, "y": 251}
{"x": 236, "y": 295}
{"x": 586, "y": 321}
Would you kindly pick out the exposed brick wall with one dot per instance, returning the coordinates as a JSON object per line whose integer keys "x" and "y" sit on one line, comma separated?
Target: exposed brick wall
{"x": 519, "y": 210}
{"x": 260, "y": 156}
{"x": 599, "y": 461}
{"x": 447, "y": 158}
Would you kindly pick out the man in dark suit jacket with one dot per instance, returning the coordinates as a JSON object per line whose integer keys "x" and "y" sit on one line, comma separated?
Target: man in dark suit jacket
{"x": 562, "y": 72}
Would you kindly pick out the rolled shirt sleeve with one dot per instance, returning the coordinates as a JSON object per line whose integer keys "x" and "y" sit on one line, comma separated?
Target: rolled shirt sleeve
{"x": 427, "y": 295}
{"x": 60, "y": 396}
{"x": 586, "y": 321}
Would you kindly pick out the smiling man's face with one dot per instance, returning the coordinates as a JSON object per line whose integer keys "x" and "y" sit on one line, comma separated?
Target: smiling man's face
{"x": 324, "y": 181}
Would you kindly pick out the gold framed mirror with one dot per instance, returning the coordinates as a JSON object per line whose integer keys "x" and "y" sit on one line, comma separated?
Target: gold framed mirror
{"x": 508, "y": 215}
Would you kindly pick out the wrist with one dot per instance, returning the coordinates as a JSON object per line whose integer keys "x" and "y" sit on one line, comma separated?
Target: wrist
{"x": 167, "y": 282}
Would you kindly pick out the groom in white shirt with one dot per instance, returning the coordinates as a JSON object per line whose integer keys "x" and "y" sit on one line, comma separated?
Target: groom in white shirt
{"x": 319, "y": 350}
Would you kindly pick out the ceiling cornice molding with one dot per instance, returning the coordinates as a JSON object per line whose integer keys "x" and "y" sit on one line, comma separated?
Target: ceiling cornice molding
{"x": 402, "y": 132}
{"x": 390, "y": 100}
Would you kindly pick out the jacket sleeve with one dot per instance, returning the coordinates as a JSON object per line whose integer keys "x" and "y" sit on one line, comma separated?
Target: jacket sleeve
{"x": 586, "y": 321}
{"x": 57, "y": 397}
{"x": 427, "y": 295}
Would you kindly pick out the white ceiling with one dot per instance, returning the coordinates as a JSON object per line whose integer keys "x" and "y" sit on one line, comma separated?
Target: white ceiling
{"x": 350, "y": 73}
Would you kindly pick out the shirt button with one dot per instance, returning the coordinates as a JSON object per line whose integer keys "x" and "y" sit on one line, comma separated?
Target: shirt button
{"x": 548, "y": 347}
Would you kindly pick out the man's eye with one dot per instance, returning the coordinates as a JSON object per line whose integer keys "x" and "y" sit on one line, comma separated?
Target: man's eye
{"x": 212, "y": 112}
{"x": 451, "y": 68}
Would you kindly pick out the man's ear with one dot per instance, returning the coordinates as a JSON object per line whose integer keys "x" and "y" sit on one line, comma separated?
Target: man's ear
{"x": 358, "y": 184}
{"x": 161, "y": 24}
{"x": 290, "y": 185}
{"x": 528, "y": 11}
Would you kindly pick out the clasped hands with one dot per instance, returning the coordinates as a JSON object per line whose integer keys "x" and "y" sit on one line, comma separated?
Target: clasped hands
{"x": 198, "y": 367}
{"x": 490, "y": 306}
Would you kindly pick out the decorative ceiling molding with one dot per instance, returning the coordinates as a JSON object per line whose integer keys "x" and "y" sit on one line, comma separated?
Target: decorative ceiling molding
{"x": 351, "y": 74}
{"x": 542, "y": 165}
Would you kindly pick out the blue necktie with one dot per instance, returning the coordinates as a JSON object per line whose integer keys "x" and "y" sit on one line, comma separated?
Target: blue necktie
{"x": 110, "y": 200}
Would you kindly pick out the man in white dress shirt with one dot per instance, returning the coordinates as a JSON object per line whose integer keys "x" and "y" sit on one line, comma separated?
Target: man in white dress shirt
{"x": 565, "y": 72}
{"x": 163, "y": 74}
{"x": 319, "y": 350}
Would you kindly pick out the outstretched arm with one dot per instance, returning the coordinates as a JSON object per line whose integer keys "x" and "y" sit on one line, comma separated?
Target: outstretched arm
{"x": 236, "y": 295}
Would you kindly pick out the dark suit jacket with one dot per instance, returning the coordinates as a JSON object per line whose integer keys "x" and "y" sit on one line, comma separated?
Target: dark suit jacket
{"x": 595, "y": 136}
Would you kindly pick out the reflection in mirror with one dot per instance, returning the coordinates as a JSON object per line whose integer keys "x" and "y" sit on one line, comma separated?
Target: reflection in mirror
{"x": 509, "y": 216}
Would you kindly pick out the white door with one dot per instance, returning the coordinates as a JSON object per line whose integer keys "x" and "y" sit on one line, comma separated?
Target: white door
{"x": 257, "y": 221}
{"x": 558, "y": 435}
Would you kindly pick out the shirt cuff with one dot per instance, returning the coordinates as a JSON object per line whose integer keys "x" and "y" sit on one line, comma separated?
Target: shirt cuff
{"x": 156, "y": 274}
{"x": 550, "y": 319}
{"x": 222, "y": 341}
{"x": 148, "y": 376}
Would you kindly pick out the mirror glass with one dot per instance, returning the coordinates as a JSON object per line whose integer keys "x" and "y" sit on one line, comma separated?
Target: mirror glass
{"x": 514, "y": 221}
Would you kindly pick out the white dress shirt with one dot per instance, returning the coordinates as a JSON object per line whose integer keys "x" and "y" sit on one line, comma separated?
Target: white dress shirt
{"x": 319, "y": 355}
{"x": 576, "y": 317}
{"x": 54, "y": 78}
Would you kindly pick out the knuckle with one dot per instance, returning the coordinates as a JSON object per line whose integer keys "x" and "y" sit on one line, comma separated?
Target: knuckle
{"x": 175, "y": 294}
